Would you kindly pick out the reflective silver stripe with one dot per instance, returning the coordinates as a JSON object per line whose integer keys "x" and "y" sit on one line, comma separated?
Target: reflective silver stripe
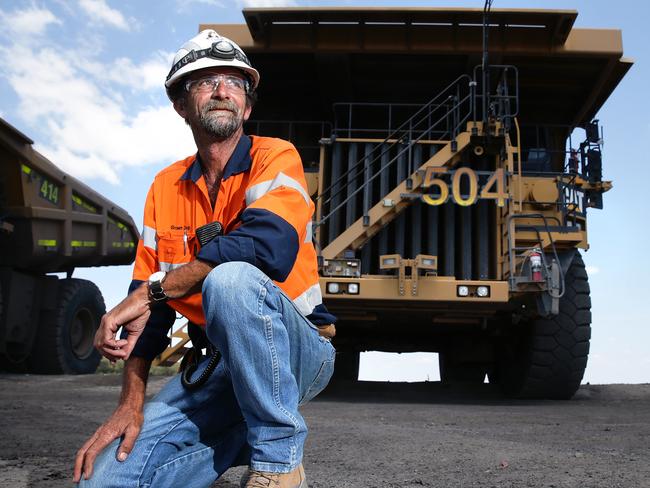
{"x": 308, "y": 237}
{"x": 257, "y": 191}
{"x": 309, "y": 299}
{"x": 170, "y": 266}
{"x": 149, "y": 237}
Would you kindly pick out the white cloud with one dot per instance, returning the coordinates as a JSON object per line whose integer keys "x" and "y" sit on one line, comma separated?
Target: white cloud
{"x": 146, "y": 75}
{"x": 83, "y": 166}
{"x": 80, "y": 107}
{"x": 592, "y": 270}
{"x": 28, "y": 22}
{"x": 183, "y": 4}
{"x": 268, "y": 3}
{"x": 99, "y": 11}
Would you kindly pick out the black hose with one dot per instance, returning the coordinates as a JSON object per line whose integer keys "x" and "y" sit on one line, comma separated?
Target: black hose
{"x": 193, "y": 357}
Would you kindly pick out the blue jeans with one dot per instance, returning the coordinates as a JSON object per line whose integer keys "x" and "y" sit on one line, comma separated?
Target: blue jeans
{"x": 247, "y": 413}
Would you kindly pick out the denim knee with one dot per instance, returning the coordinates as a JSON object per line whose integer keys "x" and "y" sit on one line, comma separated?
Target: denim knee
{"x": 234, "y": 275}
{"x": 230, "y": 291}
{"x": 109, "y": 472}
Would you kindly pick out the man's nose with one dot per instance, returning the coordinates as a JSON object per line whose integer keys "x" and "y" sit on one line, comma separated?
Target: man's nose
{"x": 220, "y": 91}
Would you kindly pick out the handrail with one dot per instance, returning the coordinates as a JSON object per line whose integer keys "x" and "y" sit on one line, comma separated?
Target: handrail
{"x": 406, "y": 129}
{"x": 502, "y": 97}
{"x": 378, "y": 173}
{"x": 341, "y": 130}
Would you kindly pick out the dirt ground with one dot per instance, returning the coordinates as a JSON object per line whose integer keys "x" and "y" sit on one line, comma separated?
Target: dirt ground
{"x": 373, "y": 435}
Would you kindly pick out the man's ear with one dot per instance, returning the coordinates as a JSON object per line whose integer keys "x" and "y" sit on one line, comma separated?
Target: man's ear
{"x": 247, "y": 112}
{"x": 179, "y": 106}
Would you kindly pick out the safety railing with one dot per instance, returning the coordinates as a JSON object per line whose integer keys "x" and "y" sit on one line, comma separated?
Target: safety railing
{"x": 572, "y": 167}
{"x": 378, "y": 120}
{"x": 501, "y": 104}
{"x": 446, "y": 113}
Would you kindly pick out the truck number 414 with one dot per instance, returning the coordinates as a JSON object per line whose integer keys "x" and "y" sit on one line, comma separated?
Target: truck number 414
{"x": 49, "y": 191}
{"x": 494, "y": 188}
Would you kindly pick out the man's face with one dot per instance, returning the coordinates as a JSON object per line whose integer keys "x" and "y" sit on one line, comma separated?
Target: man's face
{"x": 219, "y": 112}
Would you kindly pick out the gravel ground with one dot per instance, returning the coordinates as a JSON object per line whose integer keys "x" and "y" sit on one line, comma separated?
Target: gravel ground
{"x": 373, "y": 435}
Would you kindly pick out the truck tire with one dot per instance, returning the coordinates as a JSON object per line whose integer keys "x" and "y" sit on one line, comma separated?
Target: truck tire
{"x": 548, "y": 358}
{"x": 346, "y": 366}
{"x": 64, "y": 344}
{"x": 453, "y": 372}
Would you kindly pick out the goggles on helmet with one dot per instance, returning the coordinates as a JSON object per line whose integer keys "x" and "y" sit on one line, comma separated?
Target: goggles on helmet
{"x": 220, "y": 49}
{"x": 209, "y": 84}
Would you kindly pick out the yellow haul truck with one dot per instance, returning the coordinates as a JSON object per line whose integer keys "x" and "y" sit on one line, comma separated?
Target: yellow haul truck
{"x": 451, "y": 186}
{"x": 52, "y": 223}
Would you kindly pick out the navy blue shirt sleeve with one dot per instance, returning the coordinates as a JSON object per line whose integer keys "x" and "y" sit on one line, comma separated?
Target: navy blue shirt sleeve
{"x": 321, "y": 316}
{"x": 264, "y": 240}
{"x": 154, "y": 338}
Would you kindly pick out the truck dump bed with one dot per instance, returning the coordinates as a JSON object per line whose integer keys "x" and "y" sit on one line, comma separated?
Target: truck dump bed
{"x": 51, "y": 221}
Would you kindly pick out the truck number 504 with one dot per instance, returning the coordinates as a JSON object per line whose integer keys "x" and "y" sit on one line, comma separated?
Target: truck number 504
{"x": 493, "y": 189}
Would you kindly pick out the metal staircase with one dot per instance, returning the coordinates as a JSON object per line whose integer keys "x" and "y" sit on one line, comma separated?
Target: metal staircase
{"x": 441, "y": 123}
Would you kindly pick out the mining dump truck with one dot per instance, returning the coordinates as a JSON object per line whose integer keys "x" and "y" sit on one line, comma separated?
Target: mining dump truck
{"x": 52, "y": 223}
{"x": 453, "y": 158}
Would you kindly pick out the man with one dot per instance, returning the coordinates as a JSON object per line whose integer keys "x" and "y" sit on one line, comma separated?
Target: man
{"x": 260, "y": 304}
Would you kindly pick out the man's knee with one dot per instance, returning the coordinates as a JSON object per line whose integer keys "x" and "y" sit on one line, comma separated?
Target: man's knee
{"x": 109, "y": 472}
{"x": 231, "y": 275}
{"x": 230, "y": 283}
{"x": 230, "y": 291}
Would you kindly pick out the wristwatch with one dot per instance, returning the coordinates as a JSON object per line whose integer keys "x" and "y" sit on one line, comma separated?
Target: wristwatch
{"x": 156, "y": 292}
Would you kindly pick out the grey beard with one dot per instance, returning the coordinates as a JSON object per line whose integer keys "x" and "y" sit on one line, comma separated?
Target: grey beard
{"x": 220, "y": 126}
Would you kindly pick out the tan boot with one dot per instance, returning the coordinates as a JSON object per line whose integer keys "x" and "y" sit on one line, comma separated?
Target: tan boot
{"x": 261, "y": 479}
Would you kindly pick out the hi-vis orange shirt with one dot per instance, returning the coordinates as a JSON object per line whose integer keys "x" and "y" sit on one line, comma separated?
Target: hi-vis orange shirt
{"x": 266, "y": 213}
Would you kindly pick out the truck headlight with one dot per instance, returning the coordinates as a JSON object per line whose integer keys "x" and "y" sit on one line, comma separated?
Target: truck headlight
{"x": 333, "y": 288}
{"x": 353, "y": 288}
{"x": 462, "y": 291}
{"x": 483, "y": 291}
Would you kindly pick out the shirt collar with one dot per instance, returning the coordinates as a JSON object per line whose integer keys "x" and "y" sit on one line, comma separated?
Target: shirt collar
{"x": 239, "y": 162}
{"x": 193, "y": 171}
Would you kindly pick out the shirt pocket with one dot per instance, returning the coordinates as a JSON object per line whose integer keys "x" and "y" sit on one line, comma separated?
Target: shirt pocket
{"x": 174, "y": 249}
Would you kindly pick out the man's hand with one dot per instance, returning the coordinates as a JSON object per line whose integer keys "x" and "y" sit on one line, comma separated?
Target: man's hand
{"x": 132, "y": 314}
{"x": 126, "y": 421}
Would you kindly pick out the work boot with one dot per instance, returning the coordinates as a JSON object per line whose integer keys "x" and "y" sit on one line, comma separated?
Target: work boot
{"x": 261, "y": 479}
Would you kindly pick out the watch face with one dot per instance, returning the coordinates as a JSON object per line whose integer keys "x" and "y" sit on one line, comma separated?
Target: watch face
{"x": 157, "y": 276}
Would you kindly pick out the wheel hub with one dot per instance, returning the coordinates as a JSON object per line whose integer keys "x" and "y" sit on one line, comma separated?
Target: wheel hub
{"x": 82, "y": 333}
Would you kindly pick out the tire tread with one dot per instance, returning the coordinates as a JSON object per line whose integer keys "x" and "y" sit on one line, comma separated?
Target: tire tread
{"x": 559, "y": 346}
{"x": 48, "y": 354}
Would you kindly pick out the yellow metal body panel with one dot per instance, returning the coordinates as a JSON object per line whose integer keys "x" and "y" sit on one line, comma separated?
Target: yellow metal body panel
{"x": 429, "y": 289}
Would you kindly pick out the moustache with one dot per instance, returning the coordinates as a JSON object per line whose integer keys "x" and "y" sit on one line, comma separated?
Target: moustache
{"x": 220, "y": 105}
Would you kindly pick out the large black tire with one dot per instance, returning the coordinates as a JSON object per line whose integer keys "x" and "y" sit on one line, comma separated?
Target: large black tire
{"x": 64, "y": 343}
{"x": 14, "y": 360}
{"x": 346, "y": 366}
{"x": 460, "y": 372}
{"x": 549, "y": 356}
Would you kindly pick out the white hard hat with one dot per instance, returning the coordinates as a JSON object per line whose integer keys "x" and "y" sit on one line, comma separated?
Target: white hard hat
{"x": 206, "y": 50}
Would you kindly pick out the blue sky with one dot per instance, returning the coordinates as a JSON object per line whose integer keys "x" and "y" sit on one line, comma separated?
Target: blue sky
{"x": 84, "y": 79}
